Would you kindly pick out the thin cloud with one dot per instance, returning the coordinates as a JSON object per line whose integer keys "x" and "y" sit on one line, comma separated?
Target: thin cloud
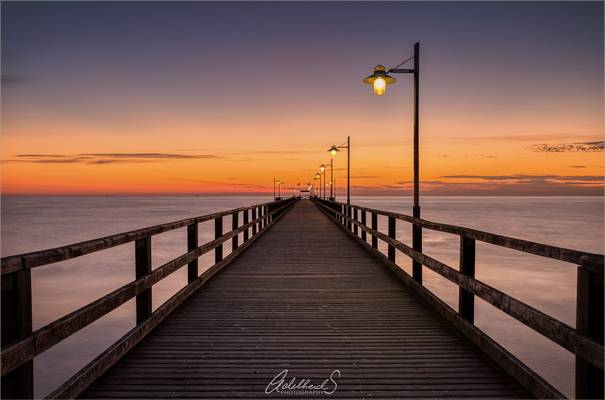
{"x": 508, "y": 185}
{"x": 13, "y": 78}
{"x": 523, "y": 177}
{"x": 104, "y": 158}
{"x": 584, "y": 147}
{"x": 162, "y": 156}
{"x": 577, "y": 166}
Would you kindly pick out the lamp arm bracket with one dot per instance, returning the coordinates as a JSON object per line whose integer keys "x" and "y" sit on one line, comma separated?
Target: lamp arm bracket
{"x": 401, "y": 71}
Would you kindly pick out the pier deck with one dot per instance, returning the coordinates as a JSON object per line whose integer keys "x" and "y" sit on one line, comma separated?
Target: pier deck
{"x": 306, "y": 298}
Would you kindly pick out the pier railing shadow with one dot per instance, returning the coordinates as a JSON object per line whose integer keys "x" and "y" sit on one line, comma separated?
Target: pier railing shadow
{"x": 585, "y": 341}
{"x": 20, "y": 344}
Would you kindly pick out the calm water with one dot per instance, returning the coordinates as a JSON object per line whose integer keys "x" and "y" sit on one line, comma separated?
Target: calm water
{"x": 34, "y": 223}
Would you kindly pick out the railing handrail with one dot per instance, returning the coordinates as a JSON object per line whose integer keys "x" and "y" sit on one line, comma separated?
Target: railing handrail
{"x": 590, "y": 261}
{"x": 19, "y": 262}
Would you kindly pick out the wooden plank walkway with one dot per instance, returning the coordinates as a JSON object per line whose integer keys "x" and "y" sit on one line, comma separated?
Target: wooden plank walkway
{"x": 307, "y": 298}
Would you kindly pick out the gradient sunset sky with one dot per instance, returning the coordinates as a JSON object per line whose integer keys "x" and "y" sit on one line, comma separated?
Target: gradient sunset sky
{"x": 199, "y": 97}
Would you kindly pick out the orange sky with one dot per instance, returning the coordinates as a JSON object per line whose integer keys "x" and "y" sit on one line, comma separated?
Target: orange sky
{"x": 103, "y": 123}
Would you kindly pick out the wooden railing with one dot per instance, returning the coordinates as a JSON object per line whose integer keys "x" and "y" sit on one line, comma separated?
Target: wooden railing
{"x": 20, "y": 345}
{"x": 585, "y": 341}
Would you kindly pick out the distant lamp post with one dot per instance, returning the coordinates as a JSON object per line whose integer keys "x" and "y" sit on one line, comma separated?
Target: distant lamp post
{"x": 335, "y": 149}
{"x": 279, "y": 190}
{"x": 315, "y": 178}
{"x": 380, "y": 78}
{"x": 332, "y": 176}
{"x": 322, "y": 168}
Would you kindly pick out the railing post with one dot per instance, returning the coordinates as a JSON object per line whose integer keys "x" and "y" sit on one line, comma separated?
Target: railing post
{"x": 391, "y": 252}
{"x": 355, "y": 227}
{"x": 234, "y": 226}
{"x": 466, "y": 299}
{"x": 192, "y": 243}
{"x": 349, "y": 214}
{"x": 261, "y": 214}
{"x": 17, "y": 325}
{"x": 374, "y": 228}
{"x": 364, "y": 235}
{"x": 589, "y": 323}
{"x": 245, "y": 222}
{"x": 142, "y": 262}
{"x": 417, "y": 245}
{"x": 218, "y": 232}
{"x": 254, "y": 219}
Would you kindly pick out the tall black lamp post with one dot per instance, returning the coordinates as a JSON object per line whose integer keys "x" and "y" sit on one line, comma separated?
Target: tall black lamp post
{"x": 380, "y": 79}
{"x": 335, "y": 149}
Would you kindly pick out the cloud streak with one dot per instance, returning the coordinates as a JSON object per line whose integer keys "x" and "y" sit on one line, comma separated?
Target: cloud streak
{"x": 495, "y": 185}
{"x": 104, "y": 158}
{"x": 583, "y": 147}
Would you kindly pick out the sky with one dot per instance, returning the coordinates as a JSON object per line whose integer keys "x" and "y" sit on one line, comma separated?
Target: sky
{"x": 214, "y": 98}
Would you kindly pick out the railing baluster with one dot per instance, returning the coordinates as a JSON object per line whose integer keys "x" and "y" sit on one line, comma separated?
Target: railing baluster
{"x": 234, "y": 226}
{"x": 364, "y": 235}
{"x": 374, "y": 228}
{"x": 142, "y": 268}
{"x": 192, "y": 244}
{"x": 16, "y": 325}
{"x": 466, "y": 300}
{"x": 254, "y": 219}
{"x": 247, "y": 230}
{"x": 218, "y": 232}
{"x": 589, "y": 322}
{"x": 392, "y": 230}
{"x": 349, "y": 217}
{"x": 355, "y": 227}
{"x": 417, "y": 245}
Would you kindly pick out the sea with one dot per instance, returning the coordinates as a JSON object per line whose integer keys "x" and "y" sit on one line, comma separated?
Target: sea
{"x": 30, "y": 223}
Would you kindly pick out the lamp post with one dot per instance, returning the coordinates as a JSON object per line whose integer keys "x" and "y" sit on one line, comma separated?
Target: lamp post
{"x": 335, "y": 149}
{"x": 273, "y": 189}
{"x": 332, "y": 178}
{"x": 322, "y": 168}
{"x": 279, "y": 190}
{"x": 380, "y": 78}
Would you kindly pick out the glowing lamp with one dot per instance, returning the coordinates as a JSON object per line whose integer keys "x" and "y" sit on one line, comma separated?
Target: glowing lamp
{"x": 322, "y": 167}
{"x": 379, "y": 79}
{"x": 333, "y": 150}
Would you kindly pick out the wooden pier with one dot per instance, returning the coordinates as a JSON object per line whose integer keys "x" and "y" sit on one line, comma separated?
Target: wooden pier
{"x": 305, "y": 289}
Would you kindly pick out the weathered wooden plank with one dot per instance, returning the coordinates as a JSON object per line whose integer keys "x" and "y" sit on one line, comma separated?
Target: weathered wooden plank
{"x": 534, "y": 383}
{"x": 81, "y": 380}
{"x": 16, "y": 353}
{"x": 553, "y": 329}
{"x": 269, "y": 311}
